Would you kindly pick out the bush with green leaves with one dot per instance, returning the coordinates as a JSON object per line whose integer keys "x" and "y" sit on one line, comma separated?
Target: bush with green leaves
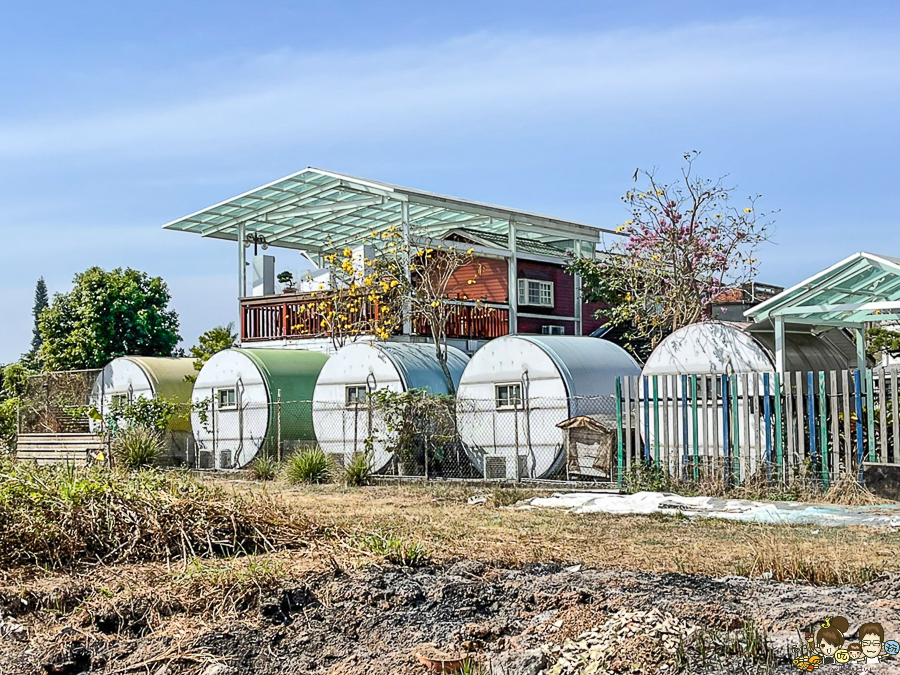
{"x": 308, "y": 466}
{"x": 9, "y": 412}
{"x": 137, "y": 447}
{"x": 149, "y": 413}
{"x": 419, "y": 428}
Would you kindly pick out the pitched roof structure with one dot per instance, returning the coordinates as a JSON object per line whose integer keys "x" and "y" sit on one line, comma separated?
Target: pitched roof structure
{"x": 315, "y": 210}
{"x": 863, "y": 288}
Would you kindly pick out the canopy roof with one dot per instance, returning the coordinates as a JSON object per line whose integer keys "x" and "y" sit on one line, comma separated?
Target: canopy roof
{"x": 862, "y": 288}
{"x": 315, "y": 210}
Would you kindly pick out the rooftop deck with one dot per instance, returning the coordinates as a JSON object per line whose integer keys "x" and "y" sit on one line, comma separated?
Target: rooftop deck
{"x": 296, "y": 316}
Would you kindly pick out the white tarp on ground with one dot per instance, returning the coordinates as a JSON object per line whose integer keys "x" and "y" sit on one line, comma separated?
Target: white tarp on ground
{"x": 785, "y": 513}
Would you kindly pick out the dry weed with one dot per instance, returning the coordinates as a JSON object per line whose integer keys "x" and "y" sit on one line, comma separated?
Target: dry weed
{"x": 785, "y": 555}
{"x": 57, "y": 516}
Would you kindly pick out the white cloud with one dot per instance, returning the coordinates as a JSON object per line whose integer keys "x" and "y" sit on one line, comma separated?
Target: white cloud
{"x": 484, "y": 81}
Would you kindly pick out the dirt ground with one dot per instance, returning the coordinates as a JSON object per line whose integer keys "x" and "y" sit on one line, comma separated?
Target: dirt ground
{"x": 521, "y": 591}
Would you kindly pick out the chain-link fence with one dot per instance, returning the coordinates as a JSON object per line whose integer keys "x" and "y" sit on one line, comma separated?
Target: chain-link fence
{"x": 505, "y": 439}
{"x": 54, "y": 402}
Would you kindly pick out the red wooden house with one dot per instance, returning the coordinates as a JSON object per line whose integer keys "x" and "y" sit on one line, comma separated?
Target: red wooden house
{"x": 318, "y": 211}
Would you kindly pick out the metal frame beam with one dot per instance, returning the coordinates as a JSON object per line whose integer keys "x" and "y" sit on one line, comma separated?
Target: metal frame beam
{"x": 512, "y": 277}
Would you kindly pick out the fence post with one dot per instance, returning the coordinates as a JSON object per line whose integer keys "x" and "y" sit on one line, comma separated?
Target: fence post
{"x": 279, "y": 449}
{"x": 811, "y": 418}
{"x": 516, "y": 432}
{"x": 823, "y": 428}
{"x": 695, "y": 445}
{"x": 779, "y": 429}
{"x": 857, "y": 384}
{"x": 870, "y": 415}
{"x": 212, "y": 417}
{"x": 619, "y": 437}
{"x": 736, "y": 429}
{"x": 646, "y": 380}
{"x": 767, "y": 408}
{"x": 726, "y": 428}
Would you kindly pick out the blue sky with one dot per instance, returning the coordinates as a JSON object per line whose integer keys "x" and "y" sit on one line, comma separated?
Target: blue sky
{"x": 117, "y": 117}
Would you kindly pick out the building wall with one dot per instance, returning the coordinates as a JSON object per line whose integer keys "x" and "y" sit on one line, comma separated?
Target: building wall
{"x": 491, "y": 281}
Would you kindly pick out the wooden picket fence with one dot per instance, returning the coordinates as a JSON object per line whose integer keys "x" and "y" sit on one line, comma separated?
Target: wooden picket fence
{"x": 812, "y": 425}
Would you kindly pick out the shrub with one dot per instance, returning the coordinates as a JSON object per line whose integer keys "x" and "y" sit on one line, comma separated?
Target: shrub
{"x": 137, "y": 447}
{"x": 357, "y": 472}
{"x": 308, "y": 466}
{"x": 264, "y": 467}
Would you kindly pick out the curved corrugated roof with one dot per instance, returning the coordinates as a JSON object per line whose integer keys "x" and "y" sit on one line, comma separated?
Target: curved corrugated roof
{"x": 167, "y": 375}
{"x": 419, "y": 367}
{"x": 293, "y": 371}
{"x": 588, "y": 365}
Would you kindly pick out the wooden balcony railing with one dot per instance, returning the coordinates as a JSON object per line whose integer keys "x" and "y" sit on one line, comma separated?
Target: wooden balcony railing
{"x": 298, "y": 316}
{"x": 473, "y": 322}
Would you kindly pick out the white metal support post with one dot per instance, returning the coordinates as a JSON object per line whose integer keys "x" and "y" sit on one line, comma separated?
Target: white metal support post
{"x": 407, "y": 244}
{"x": 579, "y": 300}
{"x": 242, "y": 275}
{"x": 242, "y": 260}
{"x": 860, "y": 334}
{"x": 513, "y": 279}
{"x": 780, "y": 358}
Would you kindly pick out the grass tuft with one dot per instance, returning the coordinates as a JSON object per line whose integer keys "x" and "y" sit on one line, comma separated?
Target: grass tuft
{"x": 264, "y": 467}
{"x": 507, "y": 496}
{"x": 137, "y": 447}
{"x": 394, "y": 549}
{"x": 357, "y": 473}
{"x": 308, "y": 466}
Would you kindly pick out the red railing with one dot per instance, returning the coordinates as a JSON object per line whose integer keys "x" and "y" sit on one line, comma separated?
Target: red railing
{"x": 292, "y": 316}
{"x": 474, "y": 322}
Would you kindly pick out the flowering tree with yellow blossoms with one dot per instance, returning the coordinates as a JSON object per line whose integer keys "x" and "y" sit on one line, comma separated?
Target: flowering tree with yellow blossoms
{"x": 361, "y": 299}
{"x": 400, "y": 281}
{"x": 685, "y": 244}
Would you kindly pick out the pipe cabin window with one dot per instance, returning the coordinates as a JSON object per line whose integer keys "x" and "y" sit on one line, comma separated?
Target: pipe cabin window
{"x": 535, "y": 293}
{"x": 227, "y": 398}
{"x": 508, "y": 396}
{"x": 355, "y": 395}
{"x": 118, "y": 401}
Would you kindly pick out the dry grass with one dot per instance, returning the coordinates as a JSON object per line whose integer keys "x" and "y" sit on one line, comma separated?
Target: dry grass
{"x": 849, "y": 492}
{"x": 439, "y": 517}
{"x": 820, "y": 560}
{"x": 60, "y": 516}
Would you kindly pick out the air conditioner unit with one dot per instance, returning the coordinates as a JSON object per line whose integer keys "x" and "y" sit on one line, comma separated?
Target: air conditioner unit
{"x": 494, "y": 468}
{"x": 553, "y": 330}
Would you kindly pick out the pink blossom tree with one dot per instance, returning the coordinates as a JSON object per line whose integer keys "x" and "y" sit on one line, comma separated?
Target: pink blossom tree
{"x": 686, "y": 244}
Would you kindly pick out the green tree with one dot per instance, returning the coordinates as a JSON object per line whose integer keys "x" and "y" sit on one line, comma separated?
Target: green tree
{"x": 15, "y": 376}
{"x": 105, "y": 315}
{"x": 41, "y": 302}
{"x": 211, "y": 342}
{"x": 880, "y": 340}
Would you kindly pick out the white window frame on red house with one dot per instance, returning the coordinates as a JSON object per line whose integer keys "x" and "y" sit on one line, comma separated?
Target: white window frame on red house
{"x": 536, "y": 293}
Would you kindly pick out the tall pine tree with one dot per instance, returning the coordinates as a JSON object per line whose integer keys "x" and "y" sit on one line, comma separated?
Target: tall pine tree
{"x": 41, "y": 300}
